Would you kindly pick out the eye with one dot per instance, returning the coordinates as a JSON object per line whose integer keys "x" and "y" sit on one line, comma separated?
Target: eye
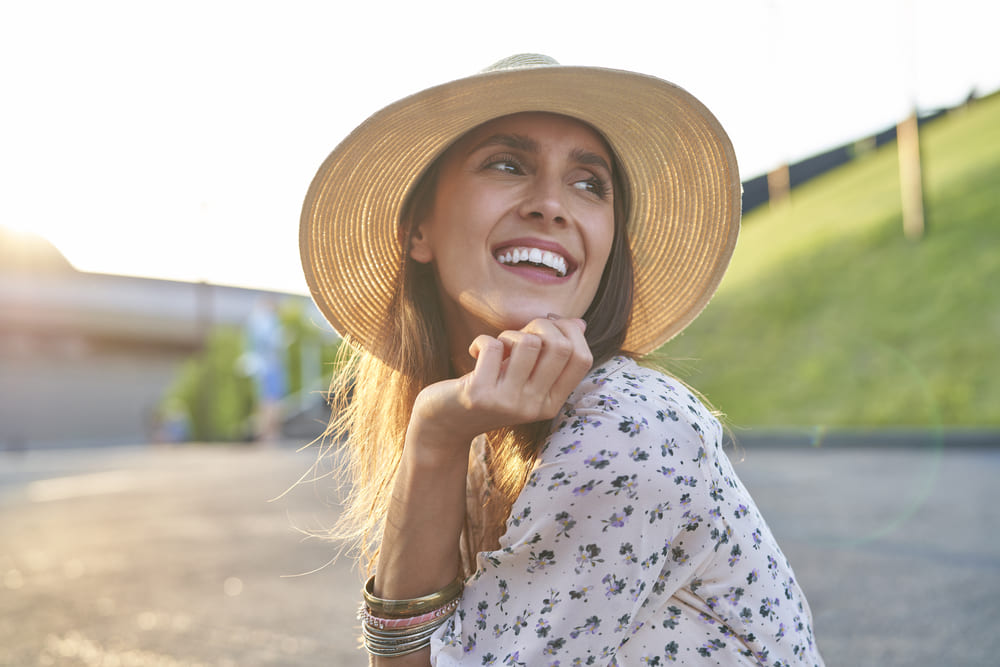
{"x": 505, "y": 163}
{"x": 594, "y": 185}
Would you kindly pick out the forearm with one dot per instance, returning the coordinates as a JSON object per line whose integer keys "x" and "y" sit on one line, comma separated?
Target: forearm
{"x": 419, "y": 552}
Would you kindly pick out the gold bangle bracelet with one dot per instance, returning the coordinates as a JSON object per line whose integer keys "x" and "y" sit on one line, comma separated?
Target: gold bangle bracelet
{"x": 412, "y": 606}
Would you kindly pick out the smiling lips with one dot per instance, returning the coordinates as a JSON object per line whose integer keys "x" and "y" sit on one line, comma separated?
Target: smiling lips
{"x": 521, "y": 254}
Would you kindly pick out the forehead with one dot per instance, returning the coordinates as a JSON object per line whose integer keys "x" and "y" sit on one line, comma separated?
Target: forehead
{"x": 542, "y": 128}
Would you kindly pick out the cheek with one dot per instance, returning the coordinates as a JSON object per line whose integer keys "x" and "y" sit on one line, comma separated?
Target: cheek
{"x": 465, "y": 216}
{"x": 601, "y": 242}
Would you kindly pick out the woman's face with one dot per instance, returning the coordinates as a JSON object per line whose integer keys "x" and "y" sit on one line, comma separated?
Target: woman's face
{"x": 521, "y": 223}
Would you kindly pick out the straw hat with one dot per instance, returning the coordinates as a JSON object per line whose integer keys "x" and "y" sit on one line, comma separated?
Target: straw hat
{"x": 683, "y": 182}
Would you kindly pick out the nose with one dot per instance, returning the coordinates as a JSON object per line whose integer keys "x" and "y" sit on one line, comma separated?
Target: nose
{"x": 544, "y": 200}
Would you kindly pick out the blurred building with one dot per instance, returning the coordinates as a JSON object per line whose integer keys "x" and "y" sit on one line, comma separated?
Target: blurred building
{"x": 85, "y": 358}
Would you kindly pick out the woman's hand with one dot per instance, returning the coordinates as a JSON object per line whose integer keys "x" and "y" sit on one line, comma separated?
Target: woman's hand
{"x": 519, "y": 377}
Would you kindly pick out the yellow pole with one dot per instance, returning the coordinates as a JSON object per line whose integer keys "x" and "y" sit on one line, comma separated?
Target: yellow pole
{"x": 911, "y": 178}
{"x": 778, "y": 186}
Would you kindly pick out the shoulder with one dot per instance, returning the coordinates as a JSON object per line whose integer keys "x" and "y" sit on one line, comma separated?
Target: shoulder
{"x": 625, "y": 417}
{"x": 639, "y": 398}
{"x": 626, "y": 376}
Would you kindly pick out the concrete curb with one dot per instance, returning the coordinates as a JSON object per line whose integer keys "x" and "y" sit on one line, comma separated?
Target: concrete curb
{"x": 842, "y": 438}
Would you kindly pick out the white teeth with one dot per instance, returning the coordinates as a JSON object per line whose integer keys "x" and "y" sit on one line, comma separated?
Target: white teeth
{"x": 536, "y": 256}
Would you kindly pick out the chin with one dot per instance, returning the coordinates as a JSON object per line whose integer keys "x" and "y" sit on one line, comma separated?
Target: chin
{"x": 493, "y": 318}
{"x": 519, "y": 318}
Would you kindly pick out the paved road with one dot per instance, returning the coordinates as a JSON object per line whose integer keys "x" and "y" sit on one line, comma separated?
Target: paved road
{"x": 174, "y": 556}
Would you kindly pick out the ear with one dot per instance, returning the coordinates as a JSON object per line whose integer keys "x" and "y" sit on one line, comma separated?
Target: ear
{"x": 420, "y": 247}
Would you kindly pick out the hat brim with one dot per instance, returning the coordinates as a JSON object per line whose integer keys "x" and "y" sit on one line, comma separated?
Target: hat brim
{"x": 679, "y": 164}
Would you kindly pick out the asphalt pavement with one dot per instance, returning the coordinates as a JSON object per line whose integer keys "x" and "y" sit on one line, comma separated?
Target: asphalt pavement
{"x": 196, "y": 555}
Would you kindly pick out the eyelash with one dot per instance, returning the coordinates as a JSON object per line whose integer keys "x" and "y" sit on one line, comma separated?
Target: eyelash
{"x": 493, "y": 160}
{"x": 599, "y": 187}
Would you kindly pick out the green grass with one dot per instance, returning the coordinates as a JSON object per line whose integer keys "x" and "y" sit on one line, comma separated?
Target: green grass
{"x": 829, "y": 316}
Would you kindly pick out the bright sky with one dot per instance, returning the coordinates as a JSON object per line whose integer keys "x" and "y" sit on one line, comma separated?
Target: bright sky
{"x": 177, "y": 139}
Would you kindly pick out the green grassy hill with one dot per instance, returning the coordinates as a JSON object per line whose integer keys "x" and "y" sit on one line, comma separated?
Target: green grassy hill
{"x": 829, "y": 316}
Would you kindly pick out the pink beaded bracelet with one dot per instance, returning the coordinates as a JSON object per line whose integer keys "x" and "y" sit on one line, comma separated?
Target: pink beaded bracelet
{"x": 410, "y": 622}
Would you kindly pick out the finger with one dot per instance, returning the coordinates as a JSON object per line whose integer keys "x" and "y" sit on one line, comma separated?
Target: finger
{"x": 574, "y": 329}
{"x": 581, "y": 359}
{"x": 557, "y": 348}
{"x": 523, "y": 350}
{"x": 576, "y": 321}
{"x": 565, "y": 359}
{"x": 480, "y": 342}
{"x": 489, "y": 354}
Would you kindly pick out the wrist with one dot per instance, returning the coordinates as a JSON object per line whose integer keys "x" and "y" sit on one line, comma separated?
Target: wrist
{"x": 431, "y": 448}
{"x": 433, "y": 438}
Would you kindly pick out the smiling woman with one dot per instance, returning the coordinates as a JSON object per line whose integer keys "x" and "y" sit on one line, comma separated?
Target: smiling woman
{"x": 499, "y": 251}
{"x": 508, "y": 197}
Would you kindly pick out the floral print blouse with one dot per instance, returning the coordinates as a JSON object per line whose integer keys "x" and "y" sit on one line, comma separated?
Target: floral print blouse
{"x": 633, "y": 543}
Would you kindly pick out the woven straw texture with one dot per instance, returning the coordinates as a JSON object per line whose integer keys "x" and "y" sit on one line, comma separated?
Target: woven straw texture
{"x": 679, "y": 165}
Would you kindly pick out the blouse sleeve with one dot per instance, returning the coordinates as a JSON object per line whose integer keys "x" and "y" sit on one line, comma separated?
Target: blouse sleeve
{"x": 607, "y": 517}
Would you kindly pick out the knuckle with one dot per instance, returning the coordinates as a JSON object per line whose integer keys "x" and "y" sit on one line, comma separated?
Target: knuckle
{"x": 561, "y": 347}
{"x": 531, "y": 340}
{"x": 478, "y": 394}
{"x": 470, "y": 398}
{"x": 549, "y": 409}
{"x": 538, "y": 324}
{"x": 509, "y": 336}
{"x": 485, "y": 342}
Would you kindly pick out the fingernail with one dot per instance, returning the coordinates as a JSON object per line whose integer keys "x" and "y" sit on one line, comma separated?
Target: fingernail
{"x": 583, "y": 323}
{"x": 552, "y": 316}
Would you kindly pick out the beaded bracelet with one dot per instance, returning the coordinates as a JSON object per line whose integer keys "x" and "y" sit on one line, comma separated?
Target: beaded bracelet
{"x": 366, "y": 615}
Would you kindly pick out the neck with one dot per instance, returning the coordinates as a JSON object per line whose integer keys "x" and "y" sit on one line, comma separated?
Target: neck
{"x": 458, "y": 348}
{"x": 462, "y": 363}
{"x": 462, "y": 330}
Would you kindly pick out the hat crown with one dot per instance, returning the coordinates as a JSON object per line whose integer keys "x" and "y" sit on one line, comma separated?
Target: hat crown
{"x": 522, "y": 61}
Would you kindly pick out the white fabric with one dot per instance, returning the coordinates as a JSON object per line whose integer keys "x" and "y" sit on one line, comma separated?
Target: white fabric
{"x": 633, "y": 543}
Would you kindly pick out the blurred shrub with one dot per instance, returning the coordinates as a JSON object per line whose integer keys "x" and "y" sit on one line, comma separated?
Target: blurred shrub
{"x": 309, "y": 345}
{"x": 214, "y": 393}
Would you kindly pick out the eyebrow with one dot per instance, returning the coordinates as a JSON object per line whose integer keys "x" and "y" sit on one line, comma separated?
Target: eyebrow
{"x": 529, "y": 145}
{"x": 589, "y": 158}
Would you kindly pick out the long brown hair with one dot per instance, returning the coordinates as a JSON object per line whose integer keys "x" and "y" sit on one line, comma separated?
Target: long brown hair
{"x": 373, "y": 394}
